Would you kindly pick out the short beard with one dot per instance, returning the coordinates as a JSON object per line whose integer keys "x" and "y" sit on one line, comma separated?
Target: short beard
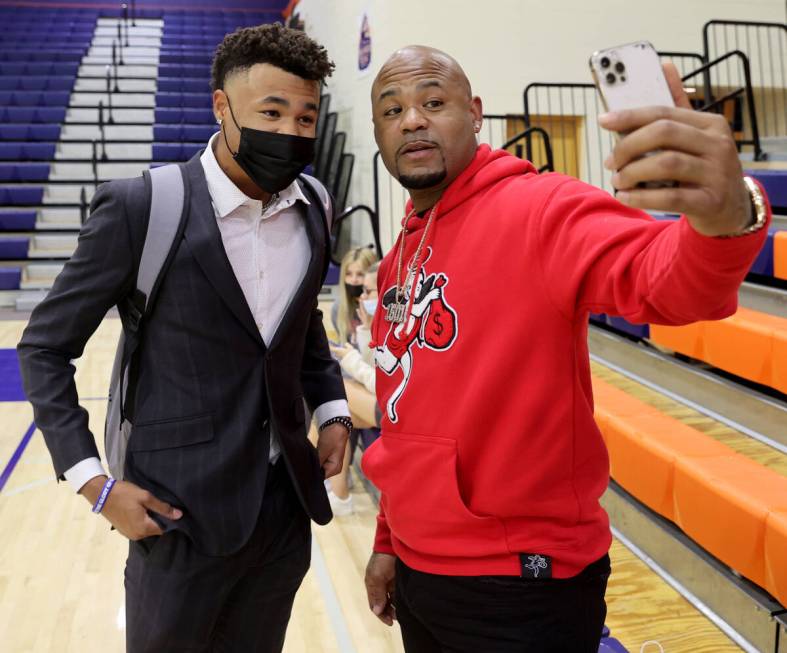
{"x": 421, "y": 182}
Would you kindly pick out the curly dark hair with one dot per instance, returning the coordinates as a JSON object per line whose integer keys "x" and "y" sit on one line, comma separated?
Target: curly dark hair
{"x": 275, "y": 44}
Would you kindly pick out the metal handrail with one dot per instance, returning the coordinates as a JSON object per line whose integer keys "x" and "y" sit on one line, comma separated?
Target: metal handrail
{"x": 549, "y": 165}
{"x": 373, "y": 218}
{"x": 747, "y": 89}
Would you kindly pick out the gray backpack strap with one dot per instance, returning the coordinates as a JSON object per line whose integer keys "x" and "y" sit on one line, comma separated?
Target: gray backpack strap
{"x": 167, "y": 199}
{"x": 166, "y": 206}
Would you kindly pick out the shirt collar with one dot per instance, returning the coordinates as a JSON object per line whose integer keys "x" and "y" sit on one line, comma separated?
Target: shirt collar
{"x": 227, "y": 197}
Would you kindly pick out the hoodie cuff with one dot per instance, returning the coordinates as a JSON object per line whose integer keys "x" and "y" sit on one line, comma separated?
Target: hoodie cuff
{"x": 382, "y": 538}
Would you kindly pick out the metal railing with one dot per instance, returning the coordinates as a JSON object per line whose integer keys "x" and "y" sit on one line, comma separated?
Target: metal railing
{"x": 764, "y": 45}
{"x": 744, "y": 123}
{"x": 569, "y": 112}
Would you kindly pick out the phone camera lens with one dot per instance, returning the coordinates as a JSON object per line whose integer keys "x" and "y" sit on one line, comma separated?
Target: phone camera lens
{"x": 620, "y": 67}
{"x": 611, "y": 78}
{"x": 605, "y": 62}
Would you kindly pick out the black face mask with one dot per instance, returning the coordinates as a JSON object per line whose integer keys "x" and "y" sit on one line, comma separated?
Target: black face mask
{"x": 272, "y": 161}
{"x": 354, "y": 291}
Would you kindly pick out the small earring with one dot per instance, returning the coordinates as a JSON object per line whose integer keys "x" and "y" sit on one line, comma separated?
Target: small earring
{"x": 218, "y": 121}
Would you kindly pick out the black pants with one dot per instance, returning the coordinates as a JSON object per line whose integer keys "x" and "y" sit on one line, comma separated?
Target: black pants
{"x": 180, "y": 600}
{"x": 501, "y": 614}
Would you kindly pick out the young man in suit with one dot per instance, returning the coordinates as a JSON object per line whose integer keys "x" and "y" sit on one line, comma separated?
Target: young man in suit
{"x": 219, "y": 479}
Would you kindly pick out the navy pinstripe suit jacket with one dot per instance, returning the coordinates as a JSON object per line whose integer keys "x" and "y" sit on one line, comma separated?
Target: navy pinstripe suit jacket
{"x": 207, "y": 388}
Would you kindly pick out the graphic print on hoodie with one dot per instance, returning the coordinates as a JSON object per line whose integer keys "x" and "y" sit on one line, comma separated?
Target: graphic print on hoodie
{"x": 429, "y": 322}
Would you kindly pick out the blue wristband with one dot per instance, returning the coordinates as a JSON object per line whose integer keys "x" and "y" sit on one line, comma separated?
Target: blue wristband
{"x": 99, "y": 506}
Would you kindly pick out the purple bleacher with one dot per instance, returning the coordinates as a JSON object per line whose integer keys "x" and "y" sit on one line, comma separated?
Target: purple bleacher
{"x": 181, "y": 85}
{"x": 619, "y": 324}
{"x": 10, "y": 278}
{"x": 39, "y": 68}
{"x": 195, "y": 58}
{"x": 171, "y": 116}
{"x": 35, "y": 98}
{"x": 21, "y": 195}
{"x": 13, "y": 248}
{"x": 332, "y": 276}
{"x": 17, "y": 220}
{"x": 197, "y": 40}
{"x": 763, "y": 264}
{"x": 36, "y": 83}
{"x": 30, "y": 133}
{"x": 27, "y": 151}
{"x": 24, "y": 171}
{"x": 35, "y": 55}
{"x": 182, "y": 70}
{"x": 190, "y": 100}
{"x": 25, "y": 115}
{"x": 775, "y": 184}
{"x": 611, "y": 645}
{"x": 175, "y": 151}
{"x": 183, "y": 133}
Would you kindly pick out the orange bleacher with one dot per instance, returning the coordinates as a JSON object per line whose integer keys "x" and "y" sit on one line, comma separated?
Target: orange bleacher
{"x": 731, "y": 506}
{"x": 750, "y": 344}
{"x": 780, "y": 255}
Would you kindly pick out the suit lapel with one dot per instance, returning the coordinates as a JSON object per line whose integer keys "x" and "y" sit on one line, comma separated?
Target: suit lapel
{"x": 204, "y": 240}
{"x": 316, "y": 244}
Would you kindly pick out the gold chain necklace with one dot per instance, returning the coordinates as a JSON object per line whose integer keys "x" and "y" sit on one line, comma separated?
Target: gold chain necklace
{"x": 396, "y": 312}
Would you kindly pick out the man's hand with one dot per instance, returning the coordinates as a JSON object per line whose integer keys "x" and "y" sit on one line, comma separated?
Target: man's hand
{"x": 380, "y": 583}
{"x": 126, "y": 507}
{"x": 331, "y": 443}
{"x": 695, "y": 149}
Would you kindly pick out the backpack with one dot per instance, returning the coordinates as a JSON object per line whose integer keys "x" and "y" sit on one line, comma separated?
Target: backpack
{"x": 168, "y": 214}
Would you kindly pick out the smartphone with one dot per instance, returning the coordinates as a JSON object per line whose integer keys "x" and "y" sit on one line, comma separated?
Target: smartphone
{"x": 628, "y": 77}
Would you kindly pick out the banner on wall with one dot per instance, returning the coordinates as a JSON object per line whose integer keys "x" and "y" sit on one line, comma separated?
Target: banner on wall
{"x": 364, "y": 46}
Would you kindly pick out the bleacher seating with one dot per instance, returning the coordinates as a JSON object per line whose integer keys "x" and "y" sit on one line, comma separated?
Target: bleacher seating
{"x": 731, "y": 506}
{"x": 11, "y": 132}
{"x": 63, "y": 83}
{"x": 24, "y": 172}
{"x": 175, "y": 151}
{"x": 191, "y": 100}
{"x": 17, "y": 220}
{"x": 34, "y": 98}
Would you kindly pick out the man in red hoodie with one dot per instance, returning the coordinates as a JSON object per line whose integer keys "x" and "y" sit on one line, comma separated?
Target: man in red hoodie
{"x": 490, "y": 533}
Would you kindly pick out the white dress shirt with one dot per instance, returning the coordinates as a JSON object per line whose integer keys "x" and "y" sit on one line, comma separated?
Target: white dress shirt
{"x": 269, "y": 252}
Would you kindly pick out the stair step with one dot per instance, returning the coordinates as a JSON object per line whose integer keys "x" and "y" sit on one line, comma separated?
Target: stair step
{"x": 114, "y": 151}
{"x": 106, "y": 171}
{"x": 67, "y": 193}
{"x": 124, "y": 85}
{"x": 146, "y": 100}
{"x": 111, "y": 133}
{"x": 120, "y": 116}
{"x": 100, "y": 70}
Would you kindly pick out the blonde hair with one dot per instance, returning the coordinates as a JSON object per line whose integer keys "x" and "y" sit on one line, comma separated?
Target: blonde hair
{"x": 366, "y": 257}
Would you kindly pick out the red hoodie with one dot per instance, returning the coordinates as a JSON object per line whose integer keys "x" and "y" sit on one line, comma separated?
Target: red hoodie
{"x": 488, "y": 448}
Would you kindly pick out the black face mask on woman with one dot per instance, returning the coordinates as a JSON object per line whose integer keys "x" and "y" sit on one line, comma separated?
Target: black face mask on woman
{"x": 354, "y": 291}
{"x": 272, "y": 161}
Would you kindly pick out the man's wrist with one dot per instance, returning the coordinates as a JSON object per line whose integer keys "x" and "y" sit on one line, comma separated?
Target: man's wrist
{"x": 756, "y": 216}
{"x": 92, "y": 488}
{"x": 344, "y": 420}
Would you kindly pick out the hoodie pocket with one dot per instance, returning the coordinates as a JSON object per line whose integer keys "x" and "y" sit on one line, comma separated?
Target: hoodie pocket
{"x": 420, "y": 493}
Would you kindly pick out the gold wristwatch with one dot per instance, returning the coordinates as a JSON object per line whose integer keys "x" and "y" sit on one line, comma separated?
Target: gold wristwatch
{"x": 758, "y": 205}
